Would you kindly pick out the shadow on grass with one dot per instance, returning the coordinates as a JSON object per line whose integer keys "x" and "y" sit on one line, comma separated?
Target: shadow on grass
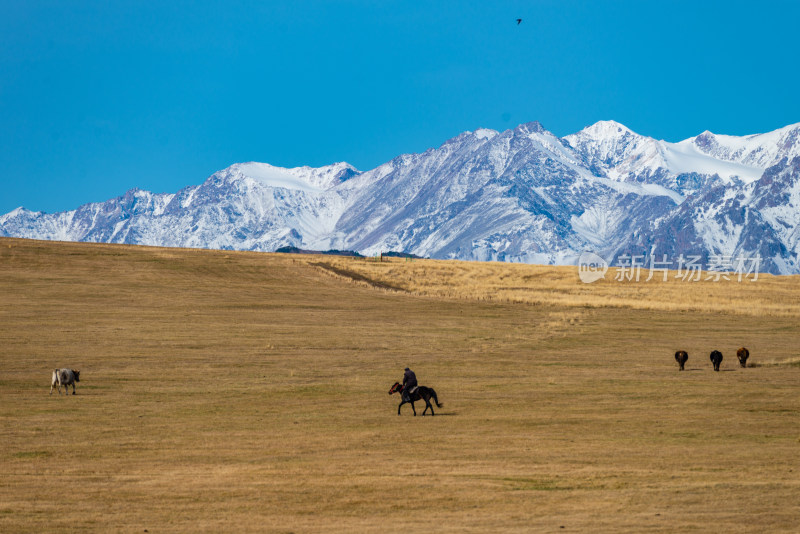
{"x": 438, "y": 414}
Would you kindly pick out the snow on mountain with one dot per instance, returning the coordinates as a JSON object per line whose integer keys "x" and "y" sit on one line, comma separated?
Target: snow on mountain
{"x": 758, "y": 151}
{"x": 232, "y": 209}
{"x": 519, "y": 195}
{"x": 301, "y": 178}
{"x": 683, "y": 158}
{"x": 484, "y": 133}
{"x": 613, "y": 150}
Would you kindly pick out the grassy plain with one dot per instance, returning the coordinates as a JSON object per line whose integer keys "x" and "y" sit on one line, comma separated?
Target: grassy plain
{"x": 746, "y": 294}
{"x": 245, "y": 392}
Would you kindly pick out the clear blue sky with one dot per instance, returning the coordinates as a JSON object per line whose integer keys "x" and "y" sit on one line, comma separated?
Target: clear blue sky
{"x": 100, "y": 97}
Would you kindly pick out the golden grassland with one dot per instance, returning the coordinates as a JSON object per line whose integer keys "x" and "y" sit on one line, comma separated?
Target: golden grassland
{"x": 752, "y": 294}
{"x": 246, "y": 392}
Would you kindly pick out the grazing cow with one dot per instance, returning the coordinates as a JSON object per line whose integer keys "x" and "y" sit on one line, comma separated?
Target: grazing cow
{"x": 66, "y": 378}
{"x": 743, "y": 354}
{"x": 681, "y": 356}
{"x": 716, "y": 359}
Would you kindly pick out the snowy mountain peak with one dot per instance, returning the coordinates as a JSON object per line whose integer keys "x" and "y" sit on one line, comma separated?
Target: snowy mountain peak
{"x": 19, "y": 213}
{"x": 612, "y": 149}
{"x": 15, "y": 213}
{"x": 606, "y": 129}
{"x": 485, "y": 133}
{"x": 530, "y": 128}
{"x": 305, "y": 178}
{"x": 523, "y": 194}
{"x": 758, "y": 150}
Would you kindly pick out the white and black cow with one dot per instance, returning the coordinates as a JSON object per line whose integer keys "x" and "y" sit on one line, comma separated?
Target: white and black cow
{"x": 66, "y": 378}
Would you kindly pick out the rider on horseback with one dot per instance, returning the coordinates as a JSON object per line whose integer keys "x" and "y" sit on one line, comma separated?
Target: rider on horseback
{"x": 412, "y": 392}
{"x": 409, "y": 384}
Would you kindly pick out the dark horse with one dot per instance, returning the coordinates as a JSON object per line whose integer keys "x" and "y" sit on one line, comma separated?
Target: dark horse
{"x": 422, "y": 393}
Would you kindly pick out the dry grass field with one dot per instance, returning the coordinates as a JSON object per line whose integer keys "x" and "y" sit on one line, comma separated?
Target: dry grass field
{"x": 754, "y": 294}
{"x": 244, "y": 392}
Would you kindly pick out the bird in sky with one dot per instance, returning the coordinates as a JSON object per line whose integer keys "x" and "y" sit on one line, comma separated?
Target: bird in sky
{"x": 519, "y": 21}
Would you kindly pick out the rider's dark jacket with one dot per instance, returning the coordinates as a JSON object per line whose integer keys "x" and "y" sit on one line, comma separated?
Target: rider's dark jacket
{"x": 409, "y": 379}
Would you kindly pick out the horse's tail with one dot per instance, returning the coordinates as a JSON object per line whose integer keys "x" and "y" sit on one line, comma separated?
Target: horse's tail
{"x": 435, "y": 398}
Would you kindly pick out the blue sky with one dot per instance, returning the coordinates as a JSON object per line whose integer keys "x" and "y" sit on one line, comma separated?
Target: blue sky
{"x": 100, "y": 97}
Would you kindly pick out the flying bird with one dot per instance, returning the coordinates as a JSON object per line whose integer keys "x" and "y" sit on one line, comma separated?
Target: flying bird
{"x": 519, "y": 21}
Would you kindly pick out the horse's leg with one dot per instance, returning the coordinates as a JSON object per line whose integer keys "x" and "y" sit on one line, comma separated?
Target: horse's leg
{"x": 412, "y": 407}
{"x": 428, "y": 405}
{"x": 400, "y": 405}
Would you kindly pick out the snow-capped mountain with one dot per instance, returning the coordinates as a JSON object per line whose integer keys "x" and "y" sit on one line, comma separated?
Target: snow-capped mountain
{"x": 519, "y": 195}
{"x": 611, "y": 149}
{"x": 760, "y": 151}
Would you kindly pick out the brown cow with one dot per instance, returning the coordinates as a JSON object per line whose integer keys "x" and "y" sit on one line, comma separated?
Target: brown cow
{"x": 743, "y": 354}
{"x": 716, "y": 359}
{"x": 681, "y": 356}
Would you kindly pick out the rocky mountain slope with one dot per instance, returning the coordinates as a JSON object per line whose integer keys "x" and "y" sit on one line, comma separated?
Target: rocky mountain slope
{"x": 520, "y": 195}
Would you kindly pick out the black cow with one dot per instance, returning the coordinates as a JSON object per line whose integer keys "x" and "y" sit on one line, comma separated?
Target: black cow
{"x": 681, "y": 356}
{"x": 716, "y": 359}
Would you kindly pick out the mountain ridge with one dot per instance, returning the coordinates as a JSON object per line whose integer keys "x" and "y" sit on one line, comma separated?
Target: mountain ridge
{"x": 522, "y": 194}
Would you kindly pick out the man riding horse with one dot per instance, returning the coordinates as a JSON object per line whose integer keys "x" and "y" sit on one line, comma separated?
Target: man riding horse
{"x": 411, "y": 392}
{"x": 409, "y": 384}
